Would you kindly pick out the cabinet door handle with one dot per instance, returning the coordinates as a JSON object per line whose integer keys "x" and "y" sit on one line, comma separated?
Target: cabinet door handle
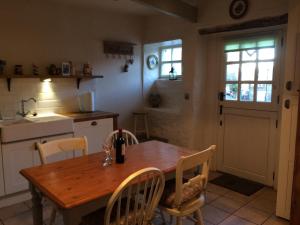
{"x": 94, "y": 123}
{"x": 44, "y": 142}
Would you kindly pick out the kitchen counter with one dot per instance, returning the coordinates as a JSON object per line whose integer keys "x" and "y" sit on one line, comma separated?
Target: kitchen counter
{"x": 87, "y": 116}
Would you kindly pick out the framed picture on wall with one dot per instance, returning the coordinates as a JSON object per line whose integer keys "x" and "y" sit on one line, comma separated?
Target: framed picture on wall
{"x": 66, "y": 69}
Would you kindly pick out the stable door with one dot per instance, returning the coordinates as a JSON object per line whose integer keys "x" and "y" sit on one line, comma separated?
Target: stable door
{"x": 249, "y": 109}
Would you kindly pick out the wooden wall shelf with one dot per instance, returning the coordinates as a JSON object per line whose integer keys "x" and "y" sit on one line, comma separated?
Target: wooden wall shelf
{"x": 42, "y": 77}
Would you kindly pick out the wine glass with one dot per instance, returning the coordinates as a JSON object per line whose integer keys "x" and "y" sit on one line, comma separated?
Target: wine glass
{"x": 108, "y": 157}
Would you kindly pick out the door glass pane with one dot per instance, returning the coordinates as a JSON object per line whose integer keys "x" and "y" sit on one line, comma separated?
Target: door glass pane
{"x": 266, "y": 53}
{"x": 232, "y": 72}
{"x": 266, "y": 43}
{"x": 233, "y": 56}
{"x": 231, "y": 92}
{"x": 248, "y": 71}
{"x": 249, "y": 55}
{"x": 265, "y": 71}
{"x": 248, "y": 44}
{"x": 176, "y": 54}
{"x": 264, "y": 93}
{"x": 166, "y": 54}
{"x": 247, "y": 91}
{"x": 232, "y": 46}
{"x": 165, "y": 69}
{"x": 177, "y": 68}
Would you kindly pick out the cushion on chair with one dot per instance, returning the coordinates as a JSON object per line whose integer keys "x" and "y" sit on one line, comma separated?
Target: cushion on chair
{"x": 191, "y": 190}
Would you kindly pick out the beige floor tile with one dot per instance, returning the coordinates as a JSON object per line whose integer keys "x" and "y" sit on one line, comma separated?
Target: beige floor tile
{"x": 227, "y": 204}
{"x": 234, "y": 220}
{"x": 217, "y": 189}
{"x": 252, "y": 214}
{"x": 210, "y": 196}
{"x": 276, "y": 221}
{"x": 213, "y": 175}
{"x": 213, "y": 215}
{"x": 239, "y": 197}
{"x": 13, "y": 210}
{"x": 187, "y": 221}
{"x": 268, "y": 193}
{"x": 264, "y": 204}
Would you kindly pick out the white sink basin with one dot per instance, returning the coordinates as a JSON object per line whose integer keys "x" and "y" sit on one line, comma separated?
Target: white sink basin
{"x": 35, "y": 127}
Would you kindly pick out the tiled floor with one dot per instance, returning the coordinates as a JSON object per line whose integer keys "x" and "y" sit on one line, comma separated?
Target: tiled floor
{"x": 223, "y": 207}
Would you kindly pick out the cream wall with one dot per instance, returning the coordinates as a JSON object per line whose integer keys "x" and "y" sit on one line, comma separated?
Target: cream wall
{"x": 43, "y": 33}
{"x": 202, "y": 62}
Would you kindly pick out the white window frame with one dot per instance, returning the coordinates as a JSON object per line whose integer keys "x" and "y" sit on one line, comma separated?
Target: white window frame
{"x": 273, "y": 105}
{"x": 172, "y": 61}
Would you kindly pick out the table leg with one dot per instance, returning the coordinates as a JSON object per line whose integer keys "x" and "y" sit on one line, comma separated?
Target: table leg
{"x": 37, "y": 207}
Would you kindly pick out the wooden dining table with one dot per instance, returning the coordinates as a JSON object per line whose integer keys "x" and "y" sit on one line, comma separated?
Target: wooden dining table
{"x": 82, "y": 185}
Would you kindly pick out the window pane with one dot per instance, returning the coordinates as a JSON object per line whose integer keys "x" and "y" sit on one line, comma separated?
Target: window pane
{"x": 231, "y": 92}
{"x": 165, "y": 69}
{"x": 249, "y": 55}
{"x": 177, "y": 68}
{"x": 264, "y": 93}
{"x": 266, "y": 53}
{"x": 166, "y": 54}
{"x": 233, "y": 56}
{"x": 232, "y": 72}
{"x": 265, "y": 71}
{"x": 248, "y": 71}
{"x": 247, "y": 91}
{"x": 177, "y": 52}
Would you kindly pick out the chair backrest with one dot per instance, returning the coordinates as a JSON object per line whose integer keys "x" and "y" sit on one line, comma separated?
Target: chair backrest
{"x": 62, "y": 146}
{"x": 129, "y": 137}
{"x": 136, "y": 198}
{"x": 200, "y": 159}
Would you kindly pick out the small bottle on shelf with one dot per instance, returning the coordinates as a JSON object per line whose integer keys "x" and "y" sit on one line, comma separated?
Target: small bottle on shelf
{"x": 120, "y": 148}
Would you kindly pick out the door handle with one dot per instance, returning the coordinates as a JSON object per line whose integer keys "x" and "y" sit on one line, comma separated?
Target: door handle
{"x": 94, "y": 123}
{"x": 287, "y": 104}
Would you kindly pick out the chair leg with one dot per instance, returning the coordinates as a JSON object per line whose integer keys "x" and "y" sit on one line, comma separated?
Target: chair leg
{"x": 178, "y": 220}
{"x": 199, "y": 217}
{"x": 53, "y": 216}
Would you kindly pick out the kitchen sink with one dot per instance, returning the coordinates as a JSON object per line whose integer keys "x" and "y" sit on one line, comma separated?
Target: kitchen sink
{"x": 12, "y": 122}
{"x": 35, "y": 127}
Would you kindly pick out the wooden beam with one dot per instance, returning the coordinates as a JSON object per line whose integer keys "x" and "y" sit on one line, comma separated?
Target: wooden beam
{"x": 258, "y": 23}
{"x": 173, "y": 7}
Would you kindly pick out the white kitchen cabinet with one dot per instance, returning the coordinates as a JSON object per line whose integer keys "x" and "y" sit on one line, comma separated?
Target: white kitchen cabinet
{"x": 21, "y": 155}
{"x": 2, "y": 192}
{"x": 17, "y": 156}
{"x": 59, "y": 156}
{"x": 95, "y": 130}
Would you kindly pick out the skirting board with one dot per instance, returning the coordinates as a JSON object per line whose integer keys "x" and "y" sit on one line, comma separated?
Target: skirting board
{"x": 14, "y": 199}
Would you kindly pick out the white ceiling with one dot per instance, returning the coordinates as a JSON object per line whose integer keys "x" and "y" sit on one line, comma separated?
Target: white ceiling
{"x": 126, "y": 6}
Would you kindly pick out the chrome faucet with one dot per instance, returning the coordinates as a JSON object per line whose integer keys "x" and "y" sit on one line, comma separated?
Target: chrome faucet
{"x": 23, "y": 113}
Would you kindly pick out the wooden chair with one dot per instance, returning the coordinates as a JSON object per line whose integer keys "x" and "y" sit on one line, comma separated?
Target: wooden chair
{"x": 55, "y": 147}
{"x": 133, "y": 202}
{"x": 185, "y": 198}
{"x": 129, "y": 137}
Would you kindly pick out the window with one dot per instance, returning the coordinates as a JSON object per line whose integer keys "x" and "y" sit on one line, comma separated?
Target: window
{"x": 170, "y": 57}
{"x": 249, "y": 70}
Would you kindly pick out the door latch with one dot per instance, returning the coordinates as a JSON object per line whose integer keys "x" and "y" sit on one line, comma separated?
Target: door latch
{"x": 221, "y": 96}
